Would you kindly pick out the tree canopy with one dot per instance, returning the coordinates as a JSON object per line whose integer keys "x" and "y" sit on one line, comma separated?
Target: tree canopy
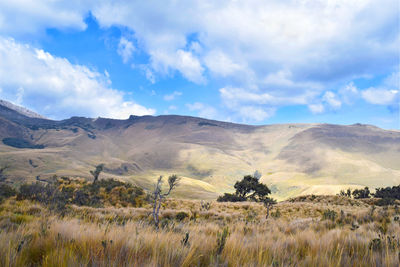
{"x": 248, "y": 189}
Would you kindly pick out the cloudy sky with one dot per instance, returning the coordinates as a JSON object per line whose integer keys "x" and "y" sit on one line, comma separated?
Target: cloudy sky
{"x": 250, "y": 61}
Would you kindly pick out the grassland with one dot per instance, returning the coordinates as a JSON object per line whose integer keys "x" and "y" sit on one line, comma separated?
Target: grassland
{"x": 306, "y": 231}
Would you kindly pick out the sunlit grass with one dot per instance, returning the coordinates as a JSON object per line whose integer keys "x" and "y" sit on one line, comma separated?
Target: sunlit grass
{"x": 296, "y": 234}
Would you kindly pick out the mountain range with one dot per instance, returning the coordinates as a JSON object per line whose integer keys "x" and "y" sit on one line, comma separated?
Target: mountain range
{"x": 209, "y": 156}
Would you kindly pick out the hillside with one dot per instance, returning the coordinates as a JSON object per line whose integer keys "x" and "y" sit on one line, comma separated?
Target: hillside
{"x": 210, "y": 155}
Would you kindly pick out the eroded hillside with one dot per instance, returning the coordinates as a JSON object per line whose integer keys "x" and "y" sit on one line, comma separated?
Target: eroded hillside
{"x": 210, "y": 155}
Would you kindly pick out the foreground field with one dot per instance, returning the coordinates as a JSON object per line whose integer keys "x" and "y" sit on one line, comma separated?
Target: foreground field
{"x": 315, "y": 231}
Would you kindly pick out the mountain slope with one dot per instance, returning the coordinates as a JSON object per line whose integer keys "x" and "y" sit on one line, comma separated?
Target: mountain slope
{"x": 209, "y": 155}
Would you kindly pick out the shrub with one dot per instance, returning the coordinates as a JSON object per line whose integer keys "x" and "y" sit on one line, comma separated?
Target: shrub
{"x": 375, "y": 244}
{"x": 276, "y": 214}
{"x": 221, "y": 240}
{"x": 388, "y": 192}
{"x": 205, "y": 205}
{"x": 385, "y": 201}
{"x": 361, "y": 193}
{"x": 60, "y": 192}
{"x": 7, "y": 191}
{"x": 230, "y": 198}
{"x": 329, "y": 215}
{"x": 180, "y": 216}
{"x": 37, "y": 192}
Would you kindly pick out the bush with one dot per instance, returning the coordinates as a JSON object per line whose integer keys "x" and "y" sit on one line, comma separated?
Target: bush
{"x": 329, "y": 215}
{"x": 7, "y": 191}
{"x": 388, "y": 192}
{"x": 37, "y": 192}
{"x": 361, "y": 193}
{"x": 180, "y": 216}
{"x": 60, "y": 192}
{"x": 230, "y": 198}
{"x": 385, "y": 202}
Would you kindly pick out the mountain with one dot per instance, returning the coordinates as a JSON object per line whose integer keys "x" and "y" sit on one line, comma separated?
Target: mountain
{"x": 20, "y": 110}
{"x": 209, "y": 155}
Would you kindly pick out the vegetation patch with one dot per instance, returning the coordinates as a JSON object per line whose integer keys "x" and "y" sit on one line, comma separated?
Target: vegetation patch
{"x": 203, "y": 123}
{"x": 21, "y": 143}
{"x": 59, "y": 192}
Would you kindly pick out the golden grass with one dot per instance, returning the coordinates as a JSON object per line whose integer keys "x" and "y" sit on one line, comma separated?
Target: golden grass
{"x": 296, "y": 235}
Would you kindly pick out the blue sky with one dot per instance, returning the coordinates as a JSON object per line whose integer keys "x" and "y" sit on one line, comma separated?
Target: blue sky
{"x": 330, "y": 61}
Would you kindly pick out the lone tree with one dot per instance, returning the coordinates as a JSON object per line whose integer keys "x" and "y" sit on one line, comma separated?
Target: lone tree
{"x": 159, "y": 196}
{"x": 96, "y": 172}
{"x": 250, "y": 189}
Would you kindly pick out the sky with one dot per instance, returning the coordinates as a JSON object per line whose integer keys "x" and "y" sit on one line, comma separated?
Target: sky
{"x": 252, "y": 61}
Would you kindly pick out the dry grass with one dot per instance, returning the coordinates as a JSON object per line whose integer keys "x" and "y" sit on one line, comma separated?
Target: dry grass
{"x": 295, "y": 235}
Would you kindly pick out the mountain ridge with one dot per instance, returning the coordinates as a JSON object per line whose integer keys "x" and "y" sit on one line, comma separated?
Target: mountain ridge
{"x": 209, "y": 155}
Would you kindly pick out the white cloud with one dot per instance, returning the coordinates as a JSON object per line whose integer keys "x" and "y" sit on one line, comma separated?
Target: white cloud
{"x": 220, "y": 64}
{"x": 316, "y": 108}
{"x": 189, "y": 66}
{"x": 349, "y": 93}
{"x": 380, "y": 96}
{"x": 252, "y": 113}
{"x": 125, "y": 49}
{"x": 21, "y": 17}
{"x": 331, "y": 99}
{"x": 183, "y": 61}
{"x": 203, "y": 110}
{"x": 279, "y": 52}
{"x": 56, "y": 88}
{"x": 284, "y": 52}
{"x": 172, "y": 96}
{"x": 386, "y": 94}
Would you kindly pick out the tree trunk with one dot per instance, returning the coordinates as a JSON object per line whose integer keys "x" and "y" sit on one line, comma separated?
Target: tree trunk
{"x": 155, "y": 213}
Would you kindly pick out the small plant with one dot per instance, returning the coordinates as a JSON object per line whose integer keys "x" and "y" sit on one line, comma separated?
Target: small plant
{"x": 354, "y": 226}
{"x": 96, "y": 172}
{"x": 375, "y": 244}
{"x": 276, "y": 214}
{"x": 342, "y": 217}
{"x": 251, "y": 216}
{"x": 371, "y": 212}
{"x": 44, "y": 226}
{"x": 383, "y": 228}
{"x": 329, "y": 215}
{"x": 221, "y": 240}
{"x": 185, "y": 240}
{"x": 205, "y": 205}
{"x": 194, "y": 215}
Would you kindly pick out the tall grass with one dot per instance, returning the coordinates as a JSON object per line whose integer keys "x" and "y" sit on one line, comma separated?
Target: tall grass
{"x": 299, "y": 236}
